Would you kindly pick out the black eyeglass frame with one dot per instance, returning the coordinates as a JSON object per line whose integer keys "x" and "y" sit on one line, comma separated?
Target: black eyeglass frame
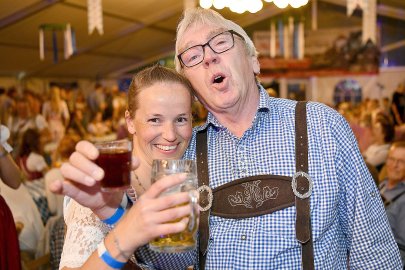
{"x": 208, "y": 44}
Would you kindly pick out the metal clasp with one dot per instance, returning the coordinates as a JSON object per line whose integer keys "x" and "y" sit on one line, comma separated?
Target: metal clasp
{"x": 210, "y": 197}
{"x": 294, "y": 185}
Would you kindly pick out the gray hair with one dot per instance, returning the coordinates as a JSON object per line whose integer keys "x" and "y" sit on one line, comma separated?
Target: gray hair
{"x": 200, "y": 16}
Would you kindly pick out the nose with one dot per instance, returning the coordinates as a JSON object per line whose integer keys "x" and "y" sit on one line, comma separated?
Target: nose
{"x": 210, "y": 56}
{"x": 169, "y": 132}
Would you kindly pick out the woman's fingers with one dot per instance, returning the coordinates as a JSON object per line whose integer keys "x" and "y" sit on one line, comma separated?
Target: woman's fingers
{"x": 173, "y": 214}
{"x": 87, "y": 149}
{"x": 175, "y": 227}
{"x": 74, "y": 174}
{"x": 64, "y": 188}
{"x": 164, "y": 209}
{"x": 162, "y": 184}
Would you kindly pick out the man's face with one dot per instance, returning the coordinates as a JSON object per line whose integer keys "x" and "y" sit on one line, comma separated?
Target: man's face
{"x": 396, "y": 164}
{"x": 222, "y": 81}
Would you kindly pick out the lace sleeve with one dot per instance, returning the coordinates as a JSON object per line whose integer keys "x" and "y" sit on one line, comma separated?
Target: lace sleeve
{"x": 84, "y": 233}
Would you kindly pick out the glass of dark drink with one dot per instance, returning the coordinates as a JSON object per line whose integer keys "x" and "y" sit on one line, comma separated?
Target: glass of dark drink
{"x": 115, "y": 160}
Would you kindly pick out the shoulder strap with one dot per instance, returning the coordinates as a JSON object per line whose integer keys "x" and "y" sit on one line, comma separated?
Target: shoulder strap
{"x": 304, "y": 185}
{"x": 203, "y": 179}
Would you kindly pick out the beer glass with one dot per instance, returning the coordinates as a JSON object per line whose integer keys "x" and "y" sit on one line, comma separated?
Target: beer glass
{"x": 185, "y": 240}
{"x": 115, "y": 159}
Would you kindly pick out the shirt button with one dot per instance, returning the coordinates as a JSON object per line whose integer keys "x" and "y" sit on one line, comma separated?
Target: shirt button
{"x": 243, "y": 237}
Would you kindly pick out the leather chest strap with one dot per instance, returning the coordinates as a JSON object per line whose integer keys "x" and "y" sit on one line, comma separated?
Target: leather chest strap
{"x": 203, "y": 180}
{"x": 303, "y": 188}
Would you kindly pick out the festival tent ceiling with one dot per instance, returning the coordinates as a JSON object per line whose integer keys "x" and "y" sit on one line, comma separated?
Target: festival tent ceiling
{"x": 136, "y": 33}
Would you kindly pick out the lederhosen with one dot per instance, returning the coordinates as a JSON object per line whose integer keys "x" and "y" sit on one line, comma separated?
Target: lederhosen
{"x": 268, "y": 193}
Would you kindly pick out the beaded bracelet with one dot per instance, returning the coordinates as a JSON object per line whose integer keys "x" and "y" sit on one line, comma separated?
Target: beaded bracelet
{"x": 118, "y": 213}
{"x": 107, "y": 258}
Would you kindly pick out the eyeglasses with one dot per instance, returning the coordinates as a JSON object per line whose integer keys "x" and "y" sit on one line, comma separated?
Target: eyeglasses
{"x": 391, "y": 160}
{"x": 219, "y": 44}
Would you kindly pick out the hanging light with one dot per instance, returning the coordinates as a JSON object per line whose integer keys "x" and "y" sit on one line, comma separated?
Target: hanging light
{"x": 255, "y": 6}
{"x": 205, "y": 3}
{"x": 281, "y": 3}
{"x": 238, "y": 6}
{"x": 220, "y": 4}
{"x": 298, "y": 3}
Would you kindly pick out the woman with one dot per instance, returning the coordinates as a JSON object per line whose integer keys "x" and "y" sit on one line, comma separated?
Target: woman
{"x": 159, "y": 119}
{"x": 56, "y": 112}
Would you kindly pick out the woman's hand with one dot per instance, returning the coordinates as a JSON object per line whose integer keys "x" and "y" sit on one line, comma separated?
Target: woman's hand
{"x": 151, "y": 215}
{"x": 82, "y": 181}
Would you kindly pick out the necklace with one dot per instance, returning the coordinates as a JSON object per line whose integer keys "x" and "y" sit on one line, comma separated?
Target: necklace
{"x": 139, "y": 182}
{"x": 131, "y": 192}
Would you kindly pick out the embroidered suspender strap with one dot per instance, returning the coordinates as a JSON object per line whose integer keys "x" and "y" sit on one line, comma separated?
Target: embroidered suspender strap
{"x": 302, "y": 187}
{"x": 203, "y": 181}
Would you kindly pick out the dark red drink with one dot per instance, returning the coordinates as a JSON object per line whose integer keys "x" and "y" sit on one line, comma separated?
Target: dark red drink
{"x": 116, "y": 164}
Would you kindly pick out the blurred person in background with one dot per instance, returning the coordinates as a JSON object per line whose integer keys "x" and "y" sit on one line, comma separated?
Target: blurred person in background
{"x": 10, "y": 175}
{"x": 383, "y": 133}
{"x": 398, "y": 105}
{"x": 392, "y": 190}
{"x": 56, "y": 112}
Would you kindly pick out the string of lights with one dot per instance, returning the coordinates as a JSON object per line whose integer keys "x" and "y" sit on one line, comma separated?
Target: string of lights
{"x": 253, "y": 6}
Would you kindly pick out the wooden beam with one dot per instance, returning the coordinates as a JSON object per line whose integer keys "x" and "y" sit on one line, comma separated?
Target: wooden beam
{"x": 382, "y": 10}
{"x": 27, "y": 12}
{"x": 393, "y": 46}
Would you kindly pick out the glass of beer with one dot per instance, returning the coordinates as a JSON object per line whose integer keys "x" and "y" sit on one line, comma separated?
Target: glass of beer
{"x": 185, "y": 240}
{"x": 115, "y": 159}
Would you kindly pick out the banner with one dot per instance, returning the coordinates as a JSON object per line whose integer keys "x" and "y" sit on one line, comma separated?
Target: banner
{"x": 68, "y": 37}
{"x": 95, "y": 16}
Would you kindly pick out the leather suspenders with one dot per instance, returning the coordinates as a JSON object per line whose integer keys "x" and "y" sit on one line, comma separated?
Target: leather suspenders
{"x": 269, "y": 193}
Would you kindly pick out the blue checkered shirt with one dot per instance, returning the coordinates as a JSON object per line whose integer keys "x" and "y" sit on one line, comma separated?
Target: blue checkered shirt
{"x": 349, "y": 224}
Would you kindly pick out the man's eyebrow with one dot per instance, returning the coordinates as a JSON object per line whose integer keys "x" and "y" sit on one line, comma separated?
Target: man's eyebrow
{"x": 209, "y": 36}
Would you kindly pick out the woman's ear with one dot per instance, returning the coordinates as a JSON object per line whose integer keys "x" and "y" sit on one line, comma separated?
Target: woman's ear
{"x": 130, "y": 123}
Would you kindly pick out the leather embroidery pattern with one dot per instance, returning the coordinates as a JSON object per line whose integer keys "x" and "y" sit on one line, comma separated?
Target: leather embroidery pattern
{"x": 253, "y": 193}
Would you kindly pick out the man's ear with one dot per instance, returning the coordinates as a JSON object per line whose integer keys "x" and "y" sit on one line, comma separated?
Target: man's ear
{"x": 255, "y": 65}
{"x": 130, "y": 123}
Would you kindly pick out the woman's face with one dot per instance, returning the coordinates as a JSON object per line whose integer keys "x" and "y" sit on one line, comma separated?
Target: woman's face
{"x": 161, "y": 127}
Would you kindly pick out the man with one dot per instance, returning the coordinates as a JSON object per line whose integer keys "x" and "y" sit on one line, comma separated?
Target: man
{"x": 251, "y": 134}
{"x": 393, "y": 192}
{"x": 325, "y": 207}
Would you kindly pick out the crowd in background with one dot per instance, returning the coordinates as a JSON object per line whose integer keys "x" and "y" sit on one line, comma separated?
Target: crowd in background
{"x": 45, "y": 128}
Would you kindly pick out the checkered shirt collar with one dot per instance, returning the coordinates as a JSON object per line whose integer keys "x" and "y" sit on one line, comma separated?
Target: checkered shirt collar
{"x": 264, "y": 105}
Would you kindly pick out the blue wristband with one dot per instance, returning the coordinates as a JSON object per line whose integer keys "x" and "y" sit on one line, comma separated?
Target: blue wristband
{"x": 107, "y": 258}
{"x": 118, "y": 213}
{"x": 114, "y": 218}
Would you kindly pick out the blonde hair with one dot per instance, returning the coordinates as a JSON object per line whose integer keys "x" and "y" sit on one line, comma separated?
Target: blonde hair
{"x": 200, "y": 16}
{"x": 55, "y": 99}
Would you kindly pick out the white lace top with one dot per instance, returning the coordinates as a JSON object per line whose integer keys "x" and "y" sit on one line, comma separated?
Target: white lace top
{"x": 84, "y": 232}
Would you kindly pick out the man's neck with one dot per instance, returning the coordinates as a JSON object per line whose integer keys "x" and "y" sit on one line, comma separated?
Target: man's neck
{"x": 239, "y": 119}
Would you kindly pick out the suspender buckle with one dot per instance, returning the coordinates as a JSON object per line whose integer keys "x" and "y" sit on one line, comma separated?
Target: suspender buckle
{"x": 294, "y": 185}
{"x": 207, "y": 200}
